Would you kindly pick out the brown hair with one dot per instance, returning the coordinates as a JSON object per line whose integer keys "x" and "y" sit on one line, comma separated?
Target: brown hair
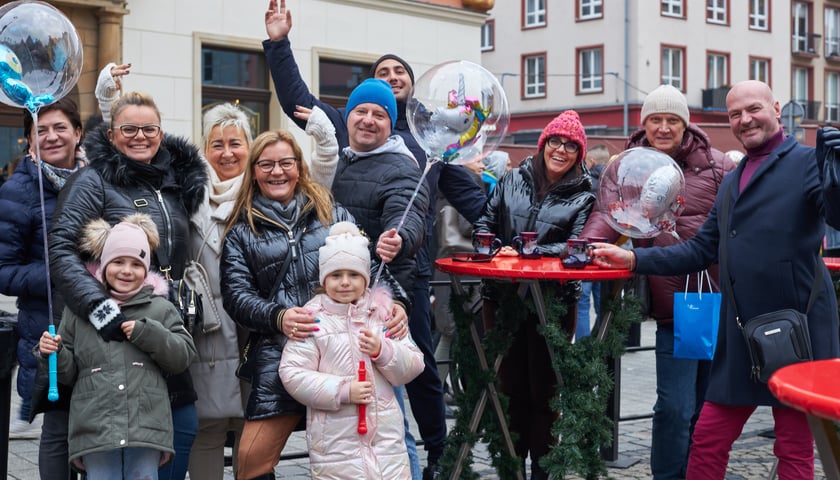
{"x": 66, "y": 106}
{"x": 317, "y": 195}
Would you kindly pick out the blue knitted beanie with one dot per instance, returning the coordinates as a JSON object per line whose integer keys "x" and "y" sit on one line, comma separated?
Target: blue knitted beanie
{"x": 373, "y": 90}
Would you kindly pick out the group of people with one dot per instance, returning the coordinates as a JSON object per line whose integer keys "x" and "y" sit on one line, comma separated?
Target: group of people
{"x": 286, "y": 247}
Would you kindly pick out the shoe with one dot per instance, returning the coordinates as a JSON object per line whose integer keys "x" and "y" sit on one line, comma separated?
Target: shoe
{"x": 432, "y": 472}
{"x": 23, "y": 430}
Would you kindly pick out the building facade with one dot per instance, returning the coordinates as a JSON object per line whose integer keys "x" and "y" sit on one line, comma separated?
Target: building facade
{"x": 192, "y": 54}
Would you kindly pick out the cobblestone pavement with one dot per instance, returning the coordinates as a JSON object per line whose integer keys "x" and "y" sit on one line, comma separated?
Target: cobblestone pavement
{"x": 751, "y": 458}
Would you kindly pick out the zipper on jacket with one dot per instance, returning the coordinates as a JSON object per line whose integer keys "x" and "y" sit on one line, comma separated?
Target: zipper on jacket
{"x": 168, "y": 226}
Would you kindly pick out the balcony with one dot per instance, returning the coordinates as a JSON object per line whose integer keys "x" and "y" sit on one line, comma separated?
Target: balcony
{"x": 812, "y": 109}
{"x": 714, "y": 99}
{"x": 805, "y": 45}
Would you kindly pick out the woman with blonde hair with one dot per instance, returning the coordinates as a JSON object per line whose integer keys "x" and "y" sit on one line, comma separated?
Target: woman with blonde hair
{"x": 280, "y": 218}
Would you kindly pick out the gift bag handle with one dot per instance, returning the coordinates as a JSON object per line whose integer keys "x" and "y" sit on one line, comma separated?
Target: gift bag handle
{"x": 700, "y": 276}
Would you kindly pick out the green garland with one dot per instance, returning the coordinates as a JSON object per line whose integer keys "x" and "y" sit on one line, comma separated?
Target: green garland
{"x": 582, "y": 425}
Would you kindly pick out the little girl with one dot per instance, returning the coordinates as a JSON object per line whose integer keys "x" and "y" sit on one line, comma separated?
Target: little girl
{"x": 322, "y": 371}
{"x": 120, "y": 419}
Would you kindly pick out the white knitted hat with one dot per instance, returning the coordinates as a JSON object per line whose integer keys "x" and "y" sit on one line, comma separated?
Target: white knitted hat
{"x": 665, "y": 99}
{"x": 345, "y": 249}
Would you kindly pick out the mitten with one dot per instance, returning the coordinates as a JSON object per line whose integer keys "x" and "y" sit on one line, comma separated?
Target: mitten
{"x": 106, "y": 318}
{"x": 106, "y": 91}
{"x": 828, "y": 151}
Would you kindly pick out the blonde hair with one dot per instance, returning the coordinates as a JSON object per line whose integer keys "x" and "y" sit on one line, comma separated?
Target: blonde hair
{"x": 316, "y": 194}
{"x": 137, "y": 99}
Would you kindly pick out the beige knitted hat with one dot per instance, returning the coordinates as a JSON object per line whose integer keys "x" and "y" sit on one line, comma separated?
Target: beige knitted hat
{"x": 665, "y": 99}
{"x": 344, "y": 249}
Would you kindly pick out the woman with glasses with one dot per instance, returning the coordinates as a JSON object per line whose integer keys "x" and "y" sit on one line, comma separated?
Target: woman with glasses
{"x": 280, "y": 219}
{"x": 549, "y": 194}
{"x": 133, "y": 167}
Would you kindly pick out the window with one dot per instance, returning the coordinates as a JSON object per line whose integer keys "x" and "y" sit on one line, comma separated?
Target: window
{"x": 800, "y": 27}
{"x": 717, "y": 67}
{"x": 589, "y": 9}
{"x": 591, "y": 70}
{"x": 239, "y": 77}
{"x": 338, "y": 78}
{"x": 534, "y": 13}
{"x": 534, "y": 76}
{"x": 832, "y": 32}
{"x": 832, "y": 97}
{"x": 672, "y": 8}
{"x": 716, "y": 11}
{"x": 800, "y": 86}
{"x": 760, "y": 69}
{"x": 672, "y": 66}
{"x": 759, "y": 13}
{"x": 488, "y": 35}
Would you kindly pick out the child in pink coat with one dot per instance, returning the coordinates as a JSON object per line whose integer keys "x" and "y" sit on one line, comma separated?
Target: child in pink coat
{"x": 322, "y": 371}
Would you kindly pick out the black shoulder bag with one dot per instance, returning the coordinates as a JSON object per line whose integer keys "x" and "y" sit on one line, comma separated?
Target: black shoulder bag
{"x": 774, "y": 339}
{"x": 246, "y": 367}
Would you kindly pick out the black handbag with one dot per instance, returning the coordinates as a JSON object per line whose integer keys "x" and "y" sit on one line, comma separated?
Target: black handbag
{"x": 774, "y": 339}
{"x": 247, "y": 363}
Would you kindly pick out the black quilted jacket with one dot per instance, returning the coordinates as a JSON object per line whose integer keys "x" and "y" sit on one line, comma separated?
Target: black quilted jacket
{"x": 113, "y": 187}
{"x": 250, "y": 266}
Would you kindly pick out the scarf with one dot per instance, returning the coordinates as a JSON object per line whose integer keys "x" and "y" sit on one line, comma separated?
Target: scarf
{"x": 286, "y": 215}
{"x": 58, "y": 176}
{"x": 222, "y": 191}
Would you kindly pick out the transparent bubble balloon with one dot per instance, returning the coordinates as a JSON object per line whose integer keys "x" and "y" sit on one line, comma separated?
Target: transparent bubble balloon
{"x": 458, "y": 112}
{"x": 40, "y": 55}
{"x": 642, "y": 193}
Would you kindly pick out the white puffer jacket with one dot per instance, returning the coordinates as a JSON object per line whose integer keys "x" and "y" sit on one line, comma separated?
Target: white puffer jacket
{"x": 317, "y": 372}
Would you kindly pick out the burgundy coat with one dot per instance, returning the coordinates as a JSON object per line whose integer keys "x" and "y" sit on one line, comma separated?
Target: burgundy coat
{"x": 703, "y": 168}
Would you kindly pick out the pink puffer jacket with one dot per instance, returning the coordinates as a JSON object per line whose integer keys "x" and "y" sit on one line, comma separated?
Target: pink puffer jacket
{"x": 703, "y": 168}
{"x": 317, "y": 372}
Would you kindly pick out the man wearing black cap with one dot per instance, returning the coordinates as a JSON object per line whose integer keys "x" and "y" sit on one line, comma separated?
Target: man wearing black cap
{"x": 426, "y": 391}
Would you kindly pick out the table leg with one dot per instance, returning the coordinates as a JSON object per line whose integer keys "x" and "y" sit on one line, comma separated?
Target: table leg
{"x": 539, "y": 304}
{"x": 828, "y": 445}
{"x": 482, "y": 401}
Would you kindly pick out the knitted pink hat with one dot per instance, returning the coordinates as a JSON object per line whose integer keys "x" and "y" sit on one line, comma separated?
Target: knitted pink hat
{"x": 568, "y": 125}
{"x": 126, "y": 240}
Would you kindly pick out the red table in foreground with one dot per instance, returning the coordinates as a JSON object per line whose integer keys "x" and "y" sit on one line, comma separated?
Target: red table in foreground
{"x": 528, "y": 273}
{"x": 812, "y": 387}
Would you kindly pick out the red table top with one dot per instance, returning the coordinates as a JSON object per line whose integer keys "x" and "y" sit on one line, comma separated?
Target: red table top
{"x": 833, "y": 263}
{"x": 517, "y": 268}
{"x": 810, "y": 387}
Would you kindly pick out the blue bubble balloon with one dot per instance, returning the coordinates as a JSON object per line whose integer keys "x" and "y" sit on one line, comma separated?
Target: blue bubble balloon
{"x": 458, "y": 112}
{"x": 40, "y": 55}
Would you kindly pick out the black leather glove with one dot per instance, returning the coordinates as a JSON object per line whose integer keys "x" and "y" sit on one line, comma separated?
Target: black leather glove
{"x": 107, "y": 318}
{"x": 828, "y": 156}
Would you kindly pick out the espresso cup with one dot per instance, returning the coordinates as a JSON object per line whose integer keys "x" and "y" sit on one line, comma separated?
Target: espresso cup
{"x": 487, "y": 243}
{"x": 526, "y": 244}
{"x": 579, "y": 256}
{"x": 590, "y": 246}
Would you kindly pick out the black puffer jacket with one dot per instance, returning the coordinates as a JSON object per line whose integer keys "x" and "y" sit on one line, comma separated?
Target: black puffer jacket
{"x": 250, "y": 266}
{"x": 169, "y": 190}
{"x": 513, "y": 208}
{"x": 376, "y": 190}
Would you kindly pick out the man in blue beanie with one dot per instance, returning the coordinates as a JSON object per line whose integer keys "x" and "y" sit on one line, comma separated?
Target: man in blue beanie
{"x": 426, "y": 391}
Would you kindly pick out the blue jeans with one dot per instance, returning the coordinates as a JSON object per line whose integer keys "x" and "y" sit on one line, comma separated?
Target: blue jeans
{"x": 680, "y": 389}
{"x": 587, "y": 288}
{"x": 122, "y": 463}
{"x": 410, "y": 443}
{"x": 185, "y": 424}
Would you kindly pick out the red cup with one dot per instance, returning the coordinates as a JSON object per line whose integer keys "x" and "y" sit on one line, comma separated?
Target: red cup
{"x": 526, "y": 244}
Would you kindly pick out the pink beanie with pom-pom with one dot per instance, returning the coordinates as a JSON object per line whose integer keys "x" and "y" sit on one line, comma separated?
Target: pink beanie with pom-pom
{"x": 568, "y": 125}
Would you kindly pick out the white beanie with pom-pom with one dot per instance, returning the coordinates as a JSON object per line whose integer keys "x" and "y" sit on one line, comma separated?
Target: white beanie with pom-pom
{"x": 345, "y": 249}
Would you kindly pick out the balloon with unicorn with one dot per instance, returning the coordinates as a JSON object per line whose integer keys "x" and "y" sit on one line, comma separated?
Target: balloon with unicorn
{"x": 458, "y": 112}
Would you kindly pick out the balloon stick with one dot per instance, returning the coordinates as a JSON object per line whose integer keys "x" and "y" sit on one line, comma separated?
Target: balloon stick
{"x": 52, "y": 393}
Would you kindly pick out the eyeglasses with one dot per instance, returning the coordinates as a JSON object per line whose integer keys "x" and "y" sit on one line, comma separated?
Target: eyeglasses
{"x": 570, "y": 146}
{"x": 150, "y": 130}
{"x": 285, "y": 164}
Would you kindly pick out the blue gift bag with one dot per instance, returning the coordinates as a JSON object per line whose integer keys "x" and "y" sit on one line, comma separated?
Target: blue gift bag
{"x": 696, "y": 321}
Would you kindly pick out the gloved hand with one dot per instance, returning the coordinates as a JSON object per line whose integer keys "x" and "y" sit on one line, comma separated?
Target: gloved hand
{"x": 106, "y": 317}
{"x": 828, "y": 156}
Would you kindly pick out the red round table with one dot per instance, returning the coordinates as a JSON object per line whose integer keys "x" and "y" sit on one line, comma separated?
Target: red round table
{"x": 812, "y": 388}
{"x": 528, "y": 273}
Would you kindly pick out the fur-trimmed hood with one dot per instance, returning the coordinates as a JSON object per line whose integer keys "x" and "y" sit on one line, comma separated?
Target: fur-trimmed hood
{"x": 187, "y": 173}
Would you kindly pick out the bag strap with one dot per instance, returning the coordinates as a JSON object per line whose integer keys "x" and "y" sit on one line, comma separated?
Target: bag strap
{"x": 292, "y": 253}
{"x": 818, "y": 272}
